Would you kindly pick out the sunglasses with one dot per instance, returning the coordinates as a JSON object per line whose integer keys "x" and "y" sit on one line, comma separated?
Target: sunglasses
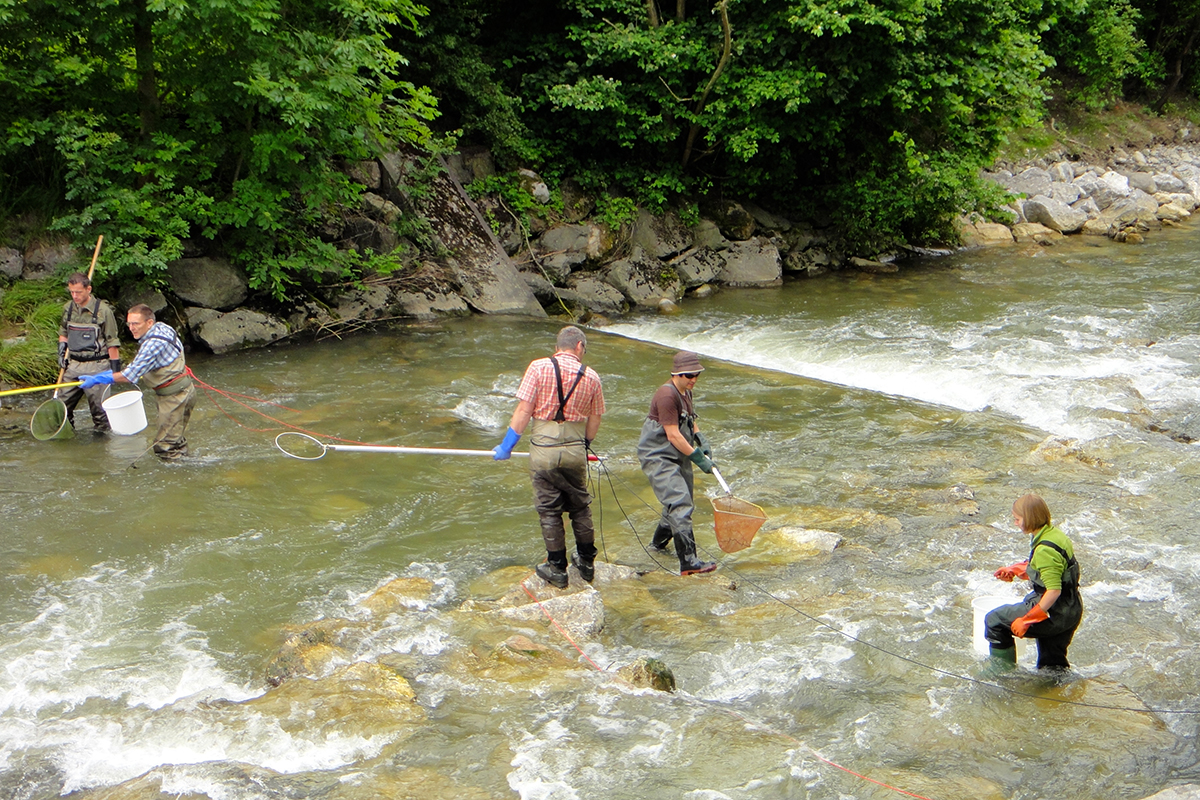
{"x": 691, "y": 376}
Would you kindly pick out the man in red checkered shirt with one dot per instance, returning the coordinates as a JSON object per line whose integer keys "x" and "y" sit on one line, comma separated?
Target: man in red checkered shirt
{"x": 561, "y": 401}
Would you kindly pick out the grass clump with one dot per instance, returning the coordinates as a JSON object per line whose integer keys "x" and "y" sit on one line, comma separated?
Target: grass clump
{"x": 35, "y": 308}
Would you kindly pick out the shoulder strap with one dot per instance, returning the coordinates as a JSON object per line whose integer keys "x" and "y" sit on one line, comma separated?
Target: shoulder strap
{"x": 561, "y": 416}
{"x": 1072, "y": 564}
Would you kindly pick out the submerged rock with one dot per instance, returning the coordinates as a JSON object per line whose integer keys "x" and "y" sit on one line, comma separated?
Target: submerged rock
{"x": 649, "y": 673}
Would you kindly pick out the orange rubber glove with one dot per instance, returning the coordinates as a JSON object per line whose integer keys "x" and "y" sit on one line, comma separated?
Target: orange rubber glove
{"x": 1016, "y": 570}
{"x": 1021, "y": 626}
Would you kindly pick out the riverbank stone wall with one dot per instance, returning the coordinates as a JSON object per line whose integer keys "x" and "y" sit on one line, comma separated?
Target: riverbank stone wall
{"x": 479, "y": 257}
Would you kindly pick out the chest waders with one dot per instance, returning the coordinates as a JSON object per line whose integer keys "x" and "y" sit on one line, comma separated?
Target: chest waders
{"x": 558, "y": 469}
{"x": 670, "y": 474}
{"x": 85, "y": 340}
{"x": 176, "y": 396}
{"x": 86, "y": 355}
{"x": 1053, "y": 635}
{"x": 557, "y": 443}
{"x": 1068, "y": 608}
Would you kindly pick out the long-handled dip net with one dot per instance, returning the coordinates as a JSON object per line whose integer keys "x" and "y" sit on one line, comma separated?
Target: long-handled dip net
{"x": 735, "y": 520}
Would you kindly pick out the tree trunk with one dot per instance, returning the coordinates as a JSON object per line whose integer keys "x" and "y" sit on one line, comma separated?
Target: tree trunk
{"x": 680, "y": 10}
{"x": 147, "y": 77}
{"x": 652, "y": 7}
{"x": 694, "y": 131}
{"x": 1177, "y": 74}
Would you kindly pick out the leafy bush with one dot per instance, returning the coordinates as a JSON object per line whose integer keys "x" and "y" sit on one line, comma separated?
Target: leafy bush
{"x": 203, "y": 119}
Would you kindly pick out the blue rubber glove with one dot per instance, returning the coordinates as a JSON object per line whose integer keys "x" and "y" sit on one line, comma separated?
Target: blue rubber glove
{"x": 702, "y": 461}
{"x": 503, "y": 451}
{"x": 703, "y": 444}
{"x": 99, "y": 379}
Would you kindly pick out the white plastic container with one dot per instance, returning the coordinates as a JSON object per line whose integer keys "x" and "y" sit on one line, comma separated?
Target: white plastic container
{"x": 981, "y": 606}
{"x": 126, "y": 414}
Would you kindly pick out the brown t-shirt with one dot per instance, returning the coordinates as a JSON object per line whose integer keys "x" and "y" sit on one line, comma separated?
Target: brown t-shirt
{"x": 668, "y": 405}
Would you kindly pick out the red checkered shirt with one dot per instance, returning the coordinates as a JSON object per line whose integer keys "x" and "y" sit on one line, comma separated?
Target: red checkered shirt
{"x": 540, "y": 387}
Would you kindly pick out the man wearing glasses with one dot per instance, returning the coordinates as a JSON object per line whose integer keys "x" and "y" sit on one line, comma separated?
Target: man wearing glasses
{"x": 159, "y": 364}
{"x": 669, "y": 445}
{"x": 561, "y": 401}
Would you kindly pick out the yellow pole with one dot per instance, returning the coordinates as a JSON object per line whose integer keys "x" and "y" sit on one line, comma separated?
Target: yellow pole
{"x": 40, "y": 388}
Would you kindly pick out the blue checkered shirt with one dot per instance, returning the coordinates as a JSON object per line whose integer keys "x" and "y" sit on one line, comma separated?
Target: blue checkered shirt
{"x": 158, "y": 348}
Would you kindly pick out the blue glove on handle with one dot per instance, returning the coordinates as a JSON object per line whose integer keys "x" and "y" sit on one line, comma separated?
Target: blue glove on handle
{"x": 503, "y": 451}
{"x": 703, "y": 444}
{"x": 99, "y": 379}
{"x": 702, "y": 461}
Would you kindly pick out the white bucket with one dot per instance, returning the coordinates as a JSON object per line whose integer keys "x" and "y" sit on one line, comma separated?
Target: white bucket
{"x": 126, "y": 414}
{"x": 981, "y": 606}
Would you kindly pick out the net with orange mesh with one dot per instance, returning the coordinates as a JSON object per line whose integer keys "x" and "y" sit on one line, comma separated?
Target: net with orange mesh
{"x": 735, "y": 520}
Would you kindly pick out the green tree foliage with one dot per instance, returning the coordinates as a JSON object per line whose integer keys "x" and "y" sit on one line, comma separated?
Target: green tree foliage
{"x": 1171, "y": 30}
{"x": 846, "y": 102}
{"x": 157, "y": 120}
{"x": 1096, "y": 44}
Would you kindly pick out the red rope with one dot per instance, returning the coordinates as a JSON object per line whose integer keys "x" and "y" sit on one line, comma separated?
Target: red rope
{"x": 731, "y": 712}
{"x": 232, "y": 396}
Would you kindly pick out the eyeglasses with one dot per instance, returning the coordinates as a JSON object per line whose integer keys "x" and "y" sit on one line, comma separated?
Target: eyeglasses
{"x": 691, "y": 376}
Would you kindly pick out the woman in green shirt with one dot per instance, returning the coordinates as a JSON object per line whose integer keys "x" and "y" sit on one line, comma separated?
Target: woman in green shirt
{"x": 1052, "y": 611}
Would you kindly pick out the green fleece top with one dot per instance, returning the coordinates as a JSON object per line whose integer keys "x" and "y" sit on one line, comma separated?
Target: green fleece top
{"x": 1046, "y": 562}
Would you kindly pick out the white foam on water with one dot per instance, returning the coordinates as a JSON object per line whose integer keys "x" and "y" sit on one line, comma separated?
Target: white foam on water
{"x": 1051, "y": 372}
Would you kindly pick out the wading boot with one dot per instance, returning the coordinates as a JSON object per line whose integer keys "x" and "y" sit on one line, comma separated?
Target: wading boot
{"x": 584, "y": 559}
{"x": 662, "y": 538}
{"x": 685, "y": 546}
{"x": 554, "y": 571}
{"x": 1000, "y": 661}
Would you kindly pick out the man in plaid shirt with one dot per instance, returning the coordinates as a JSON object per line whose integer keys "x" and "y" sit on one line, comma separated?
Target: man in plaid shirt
{"x": 562, "y": 402}
{"x": 160, "y": 366}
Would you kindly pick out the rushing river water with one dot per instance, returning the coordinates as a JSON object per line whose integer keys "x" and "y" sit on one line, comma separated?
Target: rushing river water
{"x": 143, "y": 606}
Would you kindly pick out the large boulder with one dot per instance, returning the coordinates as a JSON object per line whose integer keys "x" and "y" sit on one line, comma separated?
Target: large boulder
{"x": 12, "y": 263}
{"x": 1054, "y": 214}
{"x": 1165, "y": 182}
{"x": 42, "y": 260}
{"x": 1137, "y": 207}
{"x": 488, "y": 279}
{"x": 662, "y": 236}
{"x": 580, "y": 613}
{"x": 429, "y": 303}
{"x": 755, "y": 263}
{"x": 589, "y": 292}
{"x": 698, "y": 266}
{"x": 983, "y": 234}
{"x": 207, "y": 282}
{"x": 644, "y": 280}
{"x": 735, "y": 222}
{"x": 1031, "y": 182}
{"x": 239, "y": 330}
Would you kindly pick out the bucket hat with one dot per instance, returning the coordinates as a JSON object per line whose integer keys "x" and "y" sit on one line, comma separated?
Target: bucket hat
{"x": 686, "y": 363}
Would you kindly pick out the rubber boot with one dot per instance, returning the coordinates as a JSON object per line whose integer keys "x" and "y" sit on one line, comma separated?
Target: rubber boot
{"x": 554, "y": 571}
{"x": 685, "y": 546}
{"x": 584, "y": 559}
{"x": 662, "y": 538}
{"x": 1000, "y": 661}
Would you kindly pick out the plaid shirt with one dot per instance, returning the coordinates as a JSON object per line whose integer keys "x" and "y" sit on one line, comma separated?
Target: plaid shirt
{"x": 157, "y": 348}
{"x": 540, "y": 387}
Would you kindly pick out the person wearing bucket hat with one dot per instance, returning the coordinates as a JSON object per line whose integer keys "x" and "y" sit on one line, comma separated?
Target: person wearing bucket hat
{"x": 88, "y": 341}
{"x": 669, "y": 445}
{"x": 1050, "y": 613}
{"x": 562, "y": 402}
{"x": 160, "y": 366}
